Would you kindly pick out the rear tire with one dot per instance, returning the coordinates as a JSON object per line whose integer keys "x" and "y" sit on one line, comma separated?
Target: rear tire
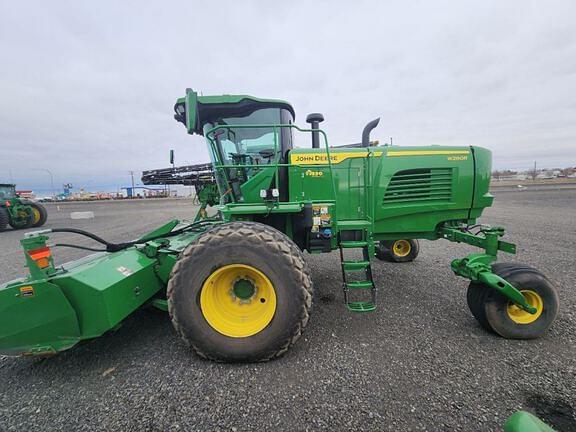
{"x": 496, "y": 313}
{"x": 4, "y": 219}
{"x": 398, "y": 250}
{"x": 40, "y": 215}
{"x": 202, "y": 291}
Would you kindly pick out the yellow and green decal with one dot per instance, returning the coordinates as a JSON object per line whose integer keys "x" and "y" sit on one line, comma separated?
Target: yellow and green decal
{"x": 336, "y": 158}
{"x": 451, "y": 155}
{"x": 322, "y": 159}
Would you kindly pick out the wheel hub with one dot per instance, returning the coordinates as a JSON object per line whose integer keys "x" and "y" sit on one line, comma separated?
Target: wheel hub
{"x": 36, "y": 214}
{"x": 402, "y": 248}
{"x": 244, "y": 289}
{"x": 238, "y": 300}
{"x": 519, "y": 315}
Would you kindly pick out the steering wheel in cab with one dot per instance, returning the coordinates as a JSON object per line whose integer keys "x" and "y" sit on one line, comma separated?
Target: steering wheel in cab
{"x": 267, "y": 154}
{"x": 241, "y": 159}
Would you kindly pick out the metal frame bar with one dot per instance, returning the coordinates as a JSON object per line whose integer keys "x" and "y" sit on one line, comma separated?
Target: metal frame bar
{"x": 477, "y": 267}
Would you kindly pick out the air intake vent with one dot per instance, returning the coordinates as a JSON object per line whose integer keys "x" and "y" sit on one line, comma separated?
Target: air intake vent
{"x": 420, "y": 185}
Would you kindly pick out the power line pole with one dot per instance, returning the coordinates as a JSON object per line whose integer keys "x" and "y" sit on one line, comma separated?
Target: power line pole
{"x": 51, "y": 183}
{"x": 51, "y": 180}
{"x": 132, "y": 175}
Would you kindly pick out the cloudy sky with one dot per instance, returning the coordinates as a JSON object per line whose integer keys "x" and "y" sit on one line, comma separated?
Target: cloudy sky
{"x": 87, "y": 88}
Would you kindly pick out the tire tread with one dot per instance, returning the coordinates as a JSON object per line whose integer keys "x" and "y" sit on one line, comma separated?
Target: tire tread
{"x": 4, "y": 219}
{"x": 255, "y": 232}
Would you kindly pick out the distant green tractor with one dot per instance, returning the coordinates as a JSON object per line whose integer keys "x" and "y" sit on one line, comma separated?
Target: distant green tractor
{"x": 19, "y": 213}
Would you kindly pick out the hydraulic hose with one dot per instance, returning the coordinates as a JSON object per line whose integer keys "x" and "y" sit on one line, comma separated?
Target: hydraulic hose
{"x": 115, "y": 247}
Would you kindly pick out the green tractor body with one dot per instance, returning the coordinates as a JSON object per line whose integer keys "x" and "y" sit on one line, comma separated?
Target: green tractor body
{"x": 235, "y": 284}
{"x": 19, "y": 213}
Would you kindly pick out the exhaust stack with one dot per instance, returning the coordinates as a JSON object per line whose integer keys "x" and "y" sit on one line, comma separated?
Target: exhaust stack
{"x": 366, "y": 132}
{"x": 315, "y": 119}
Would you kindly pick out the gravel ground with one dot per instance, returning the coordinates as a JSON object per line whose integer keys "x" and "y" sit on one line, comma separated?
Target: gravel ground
{"x": 420, "y": 362}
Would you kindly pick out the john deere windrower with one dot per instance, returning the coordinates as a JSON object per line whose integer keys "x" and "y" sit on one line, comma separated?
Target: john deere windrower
{"x": 237, "y": 285}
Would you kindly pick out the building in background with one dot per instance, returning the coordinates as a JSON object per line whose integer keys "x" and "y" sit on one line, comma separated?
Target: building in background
{"x": 28, "y": 194}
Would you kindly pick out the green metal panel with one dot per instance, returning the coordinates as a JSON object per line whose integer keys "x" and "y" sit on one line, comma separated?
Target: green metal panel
{"x": 412, "y": 189}
{"x": 230, "y": 210}
{"x": 483, "y": 168}
{"x": 523, "y": 421}
{"x": 106, "y": 289}
{"x": 417, "y": 188}
{"x": 191, "y": 104}
{"x": 310, "y": 180}
{"x": 50, "y": 322}
{"x": 349, "y": 184}
{"x": 54, "y": 309}
{"x": 261, "y": 180}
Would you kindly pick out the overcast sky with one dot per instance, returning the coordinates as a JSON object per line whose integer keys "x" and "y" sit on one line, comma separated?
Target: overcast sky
{"x": 87, "y": 88}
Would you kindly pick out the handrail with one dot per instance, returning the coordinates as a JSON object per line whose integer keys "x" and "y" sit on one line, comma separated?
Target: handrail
{"x": 210, "y": 135}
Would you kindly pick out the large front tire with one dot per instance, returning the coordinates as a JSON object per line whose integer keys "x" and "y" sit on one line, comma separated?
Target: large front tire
{"x": 497, "y": 313}
{"x": 240, "y": 292}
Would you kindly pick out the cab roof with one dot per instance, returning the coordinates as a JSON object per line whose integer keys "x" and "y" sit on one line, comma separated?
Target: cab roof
{"x": 195, "y": 111}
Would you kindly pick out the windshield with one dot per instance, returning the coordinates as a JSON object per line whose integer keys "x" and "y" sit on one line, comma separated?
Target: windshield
{"x": 246, "y": 145}
{"x": 7, "y": 192}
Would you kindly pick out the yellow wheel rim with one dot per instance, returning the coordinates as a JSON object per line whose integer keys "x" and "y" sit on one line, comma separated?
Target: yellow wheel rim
{"x": 401, "y": 248}
{"x": 520, "y": 316}
{"x": 36, "y": 214}
{"x": 238, "y": 300}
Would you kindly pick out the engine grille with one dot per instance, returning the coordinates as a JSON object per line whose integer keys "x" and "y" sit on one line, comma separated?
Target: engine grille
{"x": 417, "y": 185}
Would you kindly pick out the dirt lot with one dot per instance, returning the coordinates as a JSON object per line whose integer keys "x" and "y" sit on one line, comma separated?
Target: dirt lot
{"x": 420, "y": 362}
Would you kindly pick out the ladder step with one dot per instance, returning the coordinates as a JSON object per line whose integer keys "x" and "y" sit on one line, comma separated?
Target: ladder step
{"x": 353, "y": 244}
{"x": 360, "y": 306}
{"x": 355, "y": 265}
{"x": 360, "y": 285}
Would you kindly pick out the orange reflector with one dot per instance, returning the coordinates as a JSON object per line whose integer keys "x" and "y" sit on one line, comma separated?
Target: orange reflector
{"x": 41, "y": 256}
{"x": 7, "y": 203}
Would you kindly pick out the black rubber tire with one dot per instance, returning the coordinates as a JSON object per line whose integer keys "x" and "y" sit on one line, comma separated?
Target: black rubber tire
{"x": 385, "y": 251}
{"x": 262, "y": 247}
{"x": 43, "y": 214}
{"x": 489, "y": 307}
{"x": 477, "y": 292}
{"x": 4, "y": 219}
